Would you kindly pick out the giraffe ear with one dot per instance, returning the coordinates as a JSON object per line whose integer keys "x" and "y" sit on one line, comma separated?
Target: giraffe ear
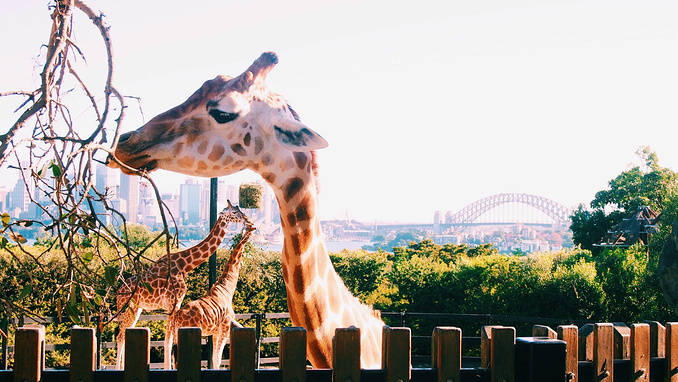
{"x": 298, "y": 137}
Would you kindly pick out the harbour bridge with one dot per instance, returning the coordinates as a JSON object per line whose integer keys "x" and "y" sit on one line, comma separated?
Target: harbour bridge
{"x": 509, "y": 208}
{"x": 500, "y": 209}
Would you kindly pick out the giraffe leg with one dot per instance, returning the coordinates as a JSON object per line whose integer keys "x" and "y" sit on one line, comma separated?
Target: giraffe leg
{"x": 127, "y": 319}
{"x": 170, "y": 338}
{"x": 218, "y": 350}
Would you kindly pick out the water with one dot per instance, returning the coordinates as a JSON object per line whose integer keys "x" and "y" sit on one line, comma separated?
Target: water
{"x": 332, "y": 246}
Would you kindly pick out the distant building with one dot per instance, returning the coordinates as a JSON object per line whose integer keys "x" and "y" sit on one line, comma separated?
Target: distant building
{"x": 129, "y": 191}
{"x": 189, "y": 202}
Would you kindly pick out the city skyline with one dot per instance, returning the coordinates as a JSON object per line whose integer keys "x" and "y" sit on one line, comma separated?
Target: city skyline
{"x": 425, "y": 108}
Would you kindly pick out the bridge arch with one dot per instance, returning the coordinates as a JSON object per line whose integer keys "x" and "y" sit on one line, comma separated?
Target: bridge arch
{"x": 554, "y": 210}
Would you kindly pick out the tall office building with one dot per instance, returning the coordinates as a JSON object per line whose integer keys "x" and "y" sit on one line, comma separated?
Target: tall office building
{"x": 129, "y": 192}
{"x": 189, "y": 202}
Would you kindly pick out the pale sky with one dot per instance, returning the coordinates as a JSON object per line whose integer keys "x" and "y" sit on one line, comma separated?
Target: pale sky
{"x": 426, "y": 105}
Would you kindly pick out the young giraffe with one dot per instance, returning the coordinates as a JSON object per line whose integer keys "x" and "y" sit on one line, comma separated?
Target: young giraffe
{"x": 160, "y": 289}
{"x": 231, "y": 124}
{"x": 213, "y": 312}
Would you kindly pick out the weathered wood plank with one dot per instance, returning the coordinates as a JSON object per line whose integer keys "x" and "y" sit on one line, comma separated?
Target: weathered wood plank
{"x": 293, "y": 354}
{"x": 603, "y": 352}
{"x": 502, "y": 349}
{"x": 543, "y": 331}
{"x": 28, "y": 353}
{"x": 640, "y": 353}
{"x": 570, "y": 334}
{"x": 397, "y": 358}
{"x": 446, "y": 354}
{"x": 346, "y": 355}
{"x": 137, "y": 354}
{"x": 83, "y": 355}
{"x": 243, "y": 349}
{"x": 188, "y": 354}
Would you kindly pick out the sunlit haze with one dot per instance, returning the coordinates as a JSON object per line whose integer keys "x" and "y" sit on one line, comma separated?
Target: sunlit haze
{"x": 426, "y": 105}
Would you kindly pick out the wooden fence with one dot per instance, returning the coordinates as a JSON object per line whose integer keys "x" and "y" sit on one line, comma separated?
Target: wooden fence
{"x": 600, "y": 352}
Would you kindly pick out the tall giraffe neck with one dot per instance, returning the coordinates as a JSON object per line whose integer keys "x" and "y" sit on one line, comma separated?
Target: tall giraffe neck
{"x": 317, "y": 298}
{"x": 190, "y": 258}
{"x": 228, "y": 279}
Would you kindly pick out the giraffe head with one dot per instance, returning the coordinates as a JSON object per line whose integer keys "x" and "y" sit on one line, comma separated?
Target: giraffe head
{"x": 233, "y": 214}
{"x": 227, "y": 125}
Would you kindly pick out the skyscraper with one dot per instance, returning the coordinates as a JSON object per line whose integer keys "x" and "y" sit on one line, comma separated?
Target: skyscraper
{"x": 129, "y": 191}
{"x": 189, "y": 202}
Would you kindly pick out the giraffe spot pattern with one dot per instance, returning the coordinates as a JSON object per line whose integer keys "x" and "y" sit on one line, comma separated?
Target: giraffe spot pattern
{"x": 293, "y": 187}
{"x": 301, "y": 159}
{"x": 269, "y": 177}
{"x": 177, "y": 149}
{"x": 227, "y": 160}
{"x": 238, "y": 149}
{"x": 185, "y": 162}
{"x": 216, "y": 153}
{"x": 202, "y": 147}
{"x": 291, "y": 219}
{"x": 312, "y": 315}
{"x": 202, "y": 165}
{"x": 247, "y": 139}
{"x": 258, "y": 145}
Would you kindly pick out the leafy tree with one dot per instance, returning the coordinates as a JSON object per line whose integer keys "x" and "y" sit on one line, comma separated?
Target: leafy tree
{"x": 647, "y": 184}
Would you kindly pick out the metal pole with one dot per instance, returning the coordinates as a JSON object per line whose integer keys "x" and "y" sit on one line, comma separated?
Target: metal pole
{"x": 257, "y": 333}
{"x": 214, "y": 184}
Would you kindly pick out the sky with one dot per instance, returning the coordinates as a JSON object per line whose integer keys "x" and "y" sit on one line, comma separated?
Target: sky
{"x": 427, "y": 105}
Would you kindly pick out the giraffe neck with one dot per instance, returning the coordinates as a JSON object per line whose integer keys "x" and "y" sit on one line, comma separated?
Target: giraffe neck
{"x": 224, "y": 287}
{"x": 190, "y": 258}
{"x": 317, "y": 298}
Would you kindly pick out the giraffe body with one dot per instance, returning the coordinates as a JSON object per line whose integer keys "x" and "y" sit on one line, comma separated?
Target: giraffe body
{"x": 231, "y": 124}
{"x": 163, "y": 285}
{"x": 213, "y": 312}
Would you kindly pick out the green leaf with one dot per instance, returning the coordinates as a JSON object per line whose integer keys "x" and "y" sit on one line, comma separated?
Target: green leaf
{"x": 110, "y": 274}
{"x": 56, "y": 170}
{"x": 25, "y": 291}
{"x": 5, "y": 218}
{"x": 87, "y": 257}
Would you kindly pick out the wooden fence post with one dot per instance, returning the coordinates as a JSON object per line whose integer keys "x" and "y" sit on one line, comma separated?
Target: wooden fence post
{"x": 137, "y": 354}
{"x": 446, "y": 354}
{"x": 622, "y": 341}
{"x": 243, "y": 348}
{"x": 83, "y": 355}
{"x": 586, "y": 342}
{"x": 29, "y": 345}
{"x": 640, "y": 353}
{"x": 603, "y": 352}
{"x": 657, "y": 339}
{"x": 502, "y": 354}
{"x": 672, "y": 351}
{"x": 540, "y": 359}
{"x": 569, "y": 334}
{"x": 293, "y": 354}
{"x": 346, "y": 355}
{"x": 188, "y": 354}
{"x": 543, "y": 331}
{"x": 485, "y": 345}
{"x": 397, "y": 357}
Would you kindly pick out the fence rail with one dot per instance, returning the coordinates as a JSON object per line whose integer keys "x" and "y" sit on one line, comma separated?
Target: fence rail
{"x": 400, "y": 319}
{"x": 600, "y": 352}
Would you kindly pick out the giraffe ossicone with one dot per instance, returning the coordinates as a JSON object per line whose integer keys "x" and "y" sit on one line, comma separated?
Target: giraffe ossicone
{"x": 234, "y": 123}
{"x": 163, "y": 285}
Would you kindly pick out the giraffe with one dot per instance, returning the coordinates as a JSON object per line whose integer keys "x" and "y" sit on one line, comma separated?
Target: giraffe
{"x": 234, "y": 123}
{"x": 159, "y": 288}
{"x": 213, "y": 312}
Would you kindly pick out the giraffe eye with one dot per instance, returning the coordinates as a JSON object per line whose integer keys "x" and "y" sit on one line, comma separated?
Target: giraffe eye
{"x": 222, "y": 116}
